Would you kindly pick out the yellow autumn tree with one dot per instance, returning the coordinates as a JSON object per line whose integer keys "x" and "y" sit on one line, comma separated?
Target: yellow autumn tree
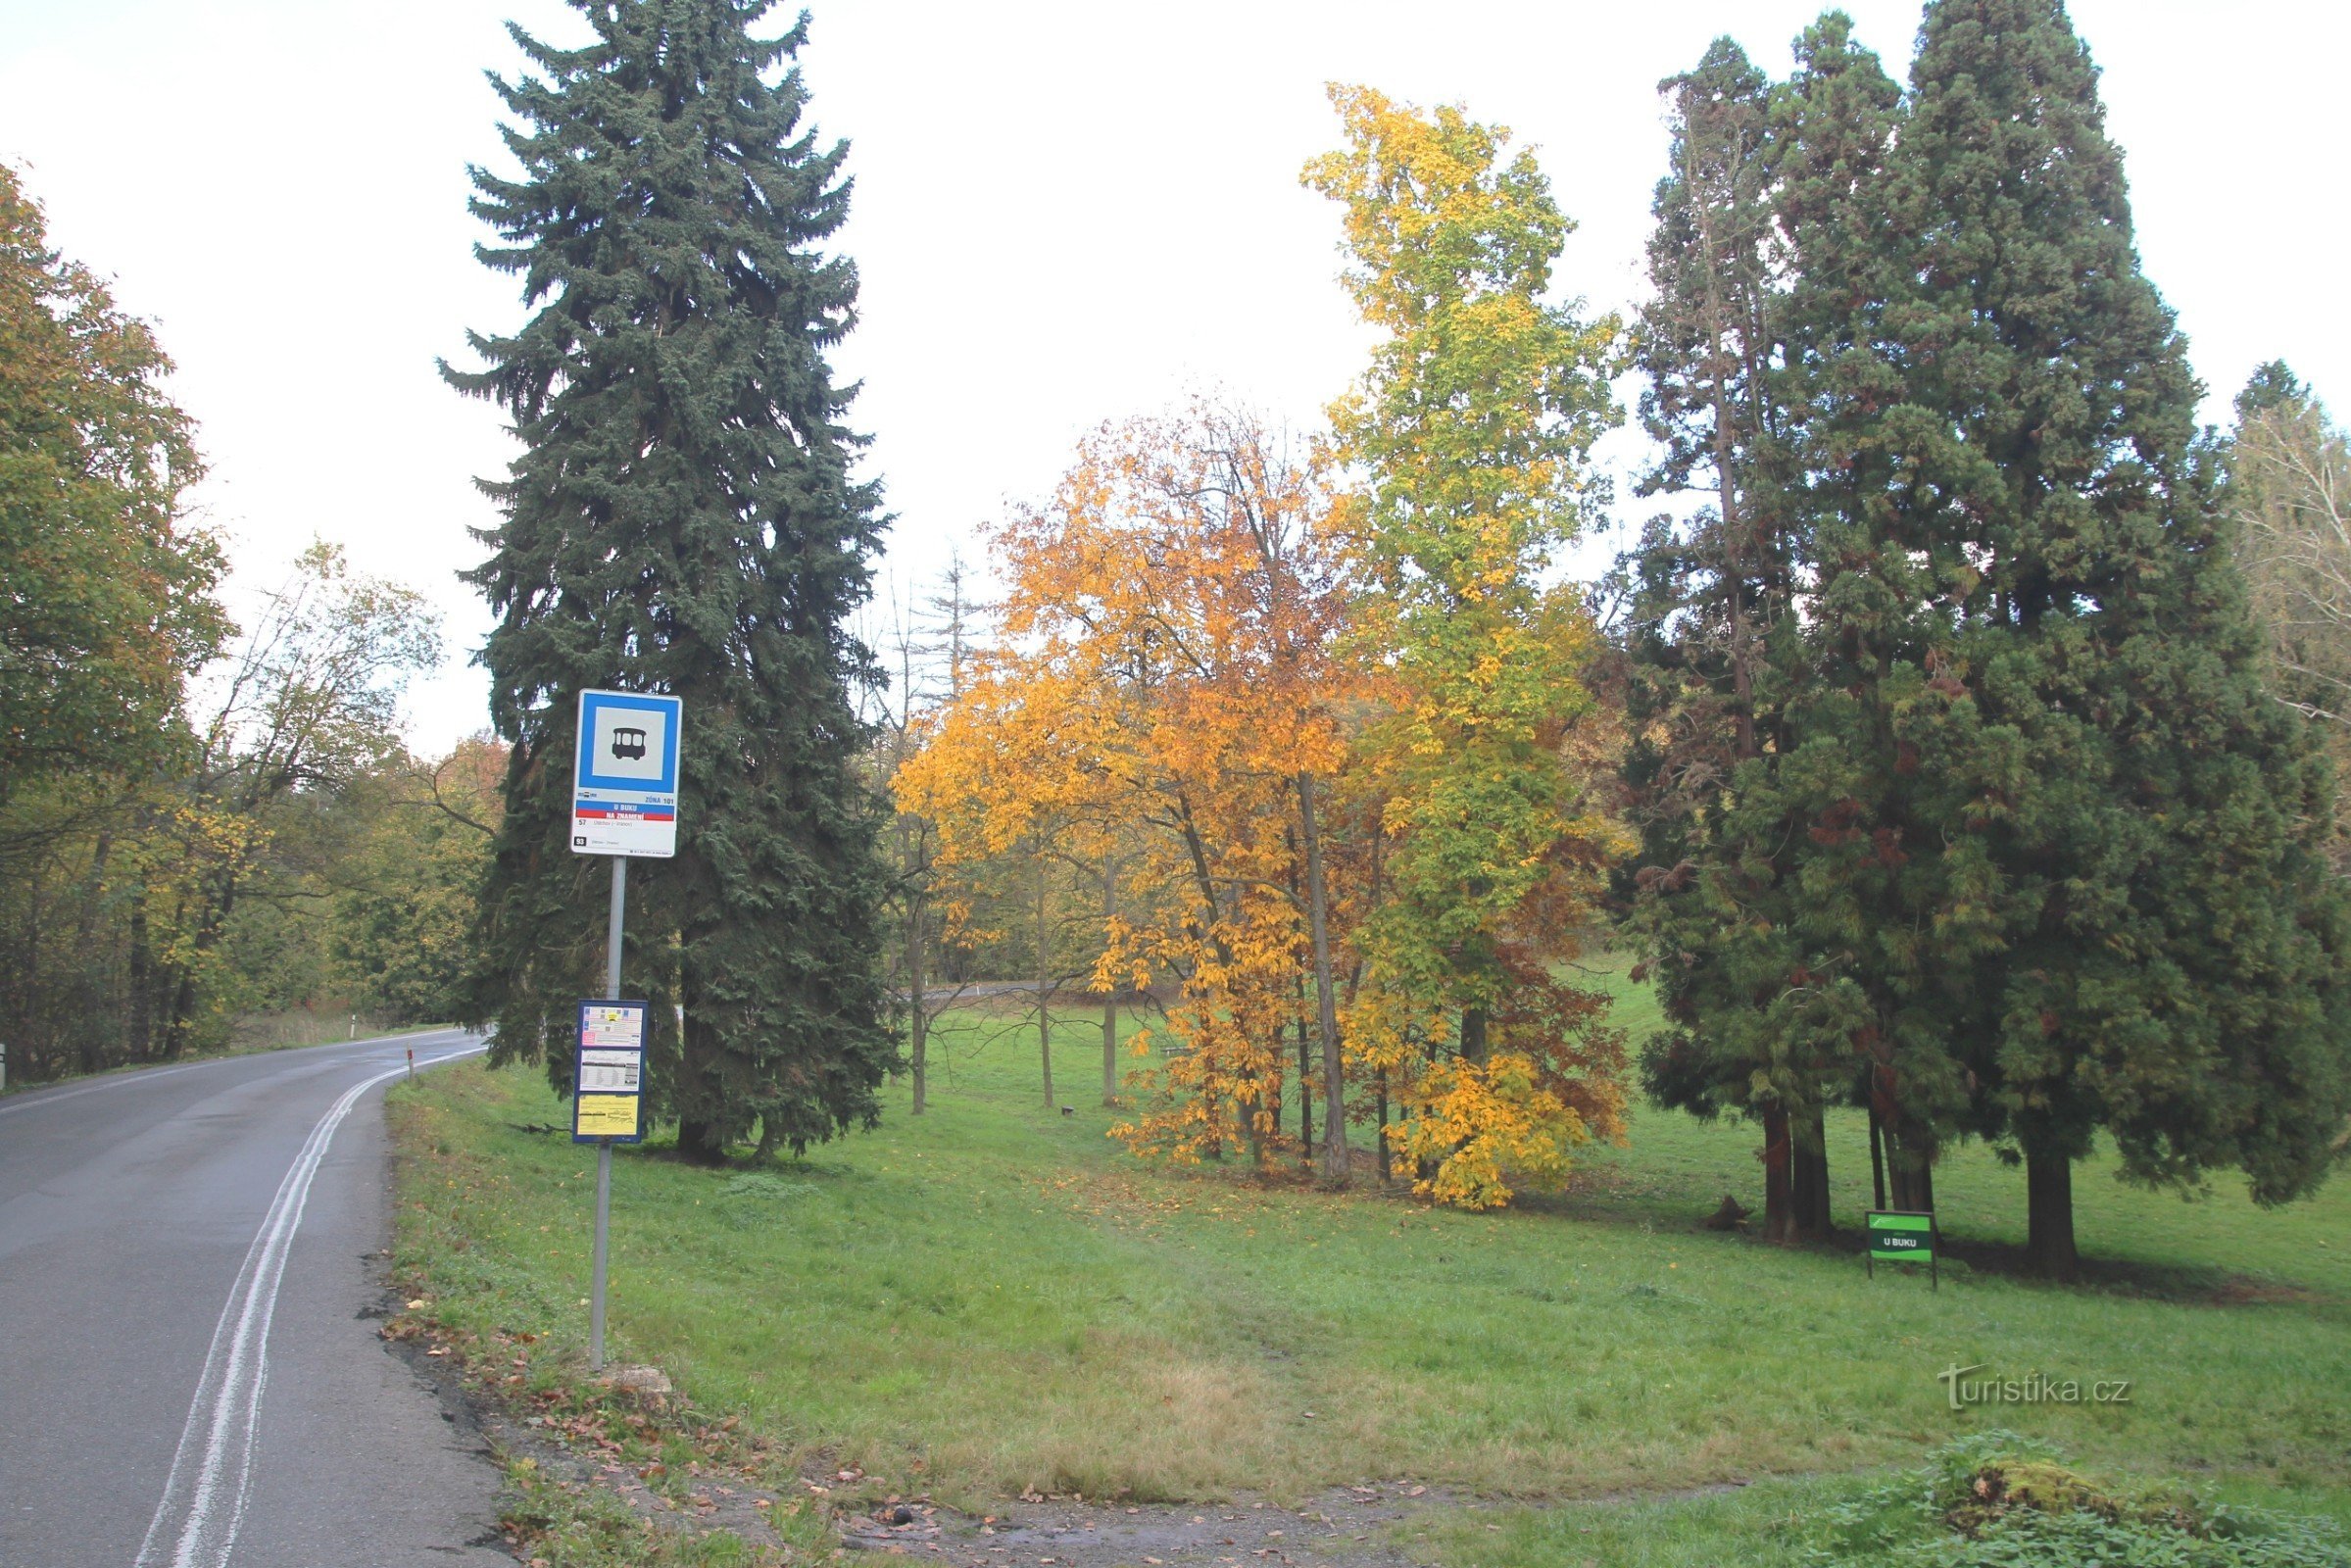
{"x": 1468, "y": 439}
{"x": 1165, "y": 681}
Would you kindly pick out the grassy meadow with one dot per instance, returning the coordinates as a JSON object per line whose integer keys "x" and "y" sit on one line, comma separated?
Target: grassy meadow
{"x": 992, "y": 1298}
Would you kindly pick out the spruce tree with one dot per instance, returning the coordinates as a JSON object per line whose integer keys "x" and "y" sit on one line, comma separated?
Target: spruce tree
{"x": 683, "y": 519}
{"x": 2132, "y": 924}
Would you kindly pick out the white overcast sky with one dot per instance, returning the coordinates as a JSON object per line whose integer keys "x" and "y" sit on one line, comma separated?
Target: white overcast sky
{"x": 1065, "y": 213}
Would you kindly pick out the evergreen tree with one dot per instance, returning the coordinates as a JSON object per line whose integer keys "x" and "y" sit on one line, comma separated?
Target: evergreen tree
{"x": 683, "y": 519}
{"x": 2106, "y": 833}
{"x": 1876, "y": 899}
{"x": 2272, "y": 386}
{"x": 1711, "y": 635}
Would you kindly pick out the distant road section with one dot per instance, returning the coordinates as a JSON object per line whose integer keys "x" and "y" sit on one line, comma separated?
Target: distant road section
{"x": 191, "y": 1377}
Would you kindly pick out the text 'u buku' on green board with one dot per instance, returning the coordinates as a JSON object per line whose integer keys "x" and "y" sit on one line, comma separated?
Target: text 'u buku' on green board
{"x": 1900, "y": 1236}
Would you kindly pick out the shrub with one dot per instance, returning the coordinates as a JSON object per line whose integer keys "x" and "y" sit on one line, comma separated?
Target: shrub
{"x": 1998, "y": 1500}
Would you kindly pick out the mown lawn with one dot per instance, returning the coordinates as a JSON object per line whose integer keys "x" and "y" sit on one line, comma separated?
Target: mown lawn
{"x": 992, "y": 1297}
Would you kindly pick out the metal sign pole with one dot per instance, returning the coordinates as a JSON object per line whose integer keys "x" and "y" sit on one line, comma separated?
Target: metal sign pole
{"x": 624, "y": 799}
{"x": 604, "y": 1145}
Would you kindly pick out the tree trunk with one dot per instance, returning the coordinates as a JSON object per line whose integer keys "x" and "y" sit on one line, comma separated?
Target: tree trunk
{"x": 1109, "y": 998}
{"x": 1044, "y": 989}
{"x": 1876, "y": 1158}
{"x": 1910, "y": 1173}
{"x": 1779, "y": 1188}
{"x": 139, "y": 1035}
{"x": 1473, "y": 1036}
{"x": 1326, "y": 1004}
{"x": 1809, "y": 1177}
{"x": 1908, "y": 1183}
{"x": 920, "y": 1058}
{"x": 179, "y": 1022}
{"x": 1306, "y": 1090}
{"x": 180, "y": 1016}
{"x": 1110, "y": 1051}
{"x": 1380, "y": 1134}
{"x": 2049, "y": 1215}
{"x": 698, "y": 1143}
{"x": 177, "y": 1016}
{"x": 920, "y": 1023}
{"x": 93, "y": 1003}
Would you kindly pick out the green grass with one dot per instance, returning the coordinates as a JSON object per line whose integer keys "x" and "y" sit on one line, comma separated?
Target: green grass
{"x": 992, "y": 1297}
{"x": 1772, "y": 1524}
{"x": 583, "y": 1527}
{"x": 1778, "y": 1522}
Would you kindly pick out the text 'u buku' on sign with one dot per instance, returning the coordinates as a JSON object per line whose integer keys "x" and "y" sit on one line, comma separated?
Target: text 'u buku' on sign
{"x": 624, "y": 776}
{"x": 607, "y": 1083}
{"x": 1903, "y": 1236}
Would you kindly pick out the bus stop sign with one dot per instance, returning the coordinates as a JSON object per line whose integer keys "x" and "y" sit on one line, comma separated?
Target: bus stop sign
{"x": 624, "y": 779}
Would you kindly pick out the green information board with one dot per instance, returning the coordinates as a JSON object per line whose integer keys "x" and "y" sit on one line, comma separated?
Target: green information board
{"x": 1900, "y": 1236}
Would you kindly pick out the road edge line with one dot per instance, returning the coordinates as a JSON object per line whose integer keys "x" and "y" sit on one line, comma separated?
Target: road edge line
{"x": 226, "y": 1413}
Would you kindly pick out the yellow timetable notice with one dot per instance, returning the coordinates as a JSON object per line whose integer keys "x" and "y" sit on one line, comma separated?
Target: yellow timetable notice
{"x": 605, "y": 1116}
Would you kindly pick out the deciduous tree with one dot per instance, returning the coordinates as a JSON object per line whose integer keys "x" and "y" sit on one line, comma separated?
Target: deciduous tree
{"x": 403, "y": 912}
{"x": 147, "y": 912}
{"x": 106, "y": 588}
{"x": 1470, "y": 435}
{"x": 1165, "y": 684}
{"x": 2289, "y": 496}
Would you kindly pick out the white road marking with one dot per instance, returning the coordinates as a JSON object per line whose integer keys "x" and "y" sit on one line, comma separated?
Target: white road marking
{"x": 196, "y": 1523}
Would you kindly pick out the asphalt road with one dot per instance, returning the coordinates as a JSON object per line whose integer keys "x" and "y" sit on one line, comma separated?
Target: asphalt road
{"x": 190, "y": 1375}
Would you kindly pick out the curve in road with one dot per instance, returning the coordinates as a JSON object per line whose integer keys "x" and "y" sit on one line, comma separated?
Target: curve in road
{"x": 191, "y": 1262}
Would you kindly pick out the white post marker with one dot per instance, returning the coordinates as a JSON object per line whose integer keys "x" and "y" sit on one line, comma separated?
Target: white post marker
{"x": 623, "y": 804}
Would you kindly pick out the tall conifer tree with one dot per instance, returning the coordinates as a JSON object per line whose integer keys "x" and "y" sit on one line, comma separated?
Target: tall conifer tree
{"x": 1711, "y": 635}
{"x": 2103, "y": 835}
{"x": 2046, "y": 857}
{"x": 1762, "y": 899}
{"x": 1873, "y": 898}
{"x": 684, "y": 519}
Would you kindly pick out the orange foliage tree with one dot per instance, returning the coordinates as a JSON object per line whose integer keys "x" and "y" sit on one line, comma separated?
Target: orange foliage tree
{"x": 1166, "y": 682}
{"x": 1344, "y": 731}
